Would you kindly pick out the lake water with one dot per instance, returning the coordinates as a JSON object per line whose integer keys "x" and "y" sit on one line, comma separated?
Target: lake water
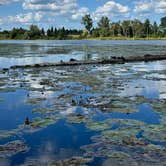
{"x": 82, "y": 115}
{"x": 30, "y": 52}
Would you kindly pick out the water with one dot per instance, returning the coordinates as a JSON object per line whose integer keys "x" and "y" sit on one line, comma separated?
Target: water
{"x": 30, "y": 52}
{"x": 97, "y": 114}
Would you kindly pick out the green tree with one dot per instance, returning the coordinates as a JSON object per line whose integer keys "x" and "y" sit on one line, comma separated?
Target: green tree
{"x": 147, "y": 28}
{"x": 55, "y": 32}
{"x": 13, "y": 33}
{"x": 95, "y": 32}
{"x": 34, "y": 32}
{"x": 114, "y": 29}
{"x": 62, "y": 33}
{"x": 138, "y": 28}
{"x": 163, "y": 26}
{"x": 48, "y": 32}
{"x": 87, "y": 22}
{"x": 104, "y": 26}
{"x": 163, "y": 22}
{"x": 125, "y": 27}
{"x": 155, "y": 29}
{"x": 42, "y": 32}
{"x": 52, "y": 31}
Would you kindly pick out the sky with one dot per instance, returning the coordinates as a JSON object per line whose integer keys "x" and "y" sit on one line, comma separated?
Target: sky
{"x": 68, "y": 13}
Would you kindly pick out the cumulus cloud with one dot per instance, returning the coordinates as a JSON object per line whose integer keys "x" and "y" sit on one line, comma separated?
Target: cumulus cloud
{"x": 111, "y": 9}
{"x": 5, "y": 2}
{"x": 150, "y": 6}
{"x": 161, "y": 7}
{"x": 68, "y": 8}
{"x": 22, "y": 18}
{"x": 79, "y": 13}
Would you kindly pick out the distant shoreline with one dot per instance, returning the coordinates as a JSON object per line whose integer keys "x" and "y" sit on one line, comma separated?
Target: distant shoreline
{"x": 91, "y": 38}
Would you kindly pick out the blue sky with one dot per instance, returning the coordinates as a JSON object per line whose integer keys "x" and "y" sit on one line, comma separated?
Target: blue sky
{"x": 68, "y": 13}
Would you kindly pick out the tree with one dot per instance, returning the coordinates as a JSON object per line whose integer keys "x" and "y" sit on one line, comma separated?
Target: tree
{"x": 88, "y": 22}
{"x": 114, "y": 28}
{"x": 95, "y": 32}
{"x": 147, "y": 27}
{"x": 13, "y": 33}
{"x": 163, "y": 25}
{"x": 34, "y": 31}
{"x": 55, "y": 32}
{"x": 61, "y": 33}
{"x": 155, "y": 29}
{"x": 52, "y": 31}
{"x": 42, "y": 32}
{"x": 104, "y": 26}
{"x": 48, "y": 32}
{"x": 125, "y": 26}
{"x": 138, "y": 28}
{"x": 163, "y": 22}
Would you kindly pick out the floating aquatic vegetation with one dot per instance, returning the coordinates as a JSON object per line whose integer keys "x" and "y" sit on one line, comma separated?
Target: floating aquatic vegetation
{"x": 85, "y": 79}
{"x": 122, "y": 124}
{"x": 38, "y": 123}
{"x": 119, "y": 159}
{"x": 156, "y": 132}
{"x": 44, "y": 110}
{"x": 35, "y": 125}
{"x": 99, "y": 125}
{"x": 159, "y": 107}
{"x": 141, "y": 99}
{"x": 2, "y": 100}
{"x": 35, "y": 101}
{"x": 12, "y": 148}
{"x": 122, "y": 144}
{"x": 7, "y": 134}
{"x": 7, "y": 89}
{"x": 116, "y": 105}
{"x": 74, "y": 161}
{"x": 77, "y": 118}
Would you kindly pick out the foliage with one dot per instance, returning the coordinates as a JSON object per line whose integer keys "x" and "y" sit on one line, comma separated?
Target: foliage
{"x": 104, "y": 26}
{"x": 105, "y": 29}
{"x": 88, "y": 22}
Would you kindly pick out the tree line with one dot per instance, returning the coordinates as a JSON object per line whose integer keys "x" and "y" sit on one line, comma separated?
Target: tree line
{"x": 104, "y": 28}
{"x": 34, "y": 32}
{"x": 126, "y": 28}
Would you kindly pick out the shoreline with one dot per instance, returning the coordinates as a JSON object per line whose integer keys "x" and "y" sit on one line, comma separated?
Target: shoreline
{"x": 91, "y": 38}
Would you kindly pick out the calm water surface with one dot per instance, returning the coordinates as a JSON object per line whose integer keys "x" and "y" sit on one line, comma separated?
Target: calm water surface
{"x": 30, "y": 52}
{"x": 82, "y": 115}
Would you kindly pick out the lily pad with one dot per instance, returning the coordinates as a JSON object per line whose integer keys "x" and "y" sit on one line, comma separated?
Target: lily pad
{"x": 43, "y": 122}
{"x": 12, "y": 148}
{"x": 77, "y": 118}
{"x": 74, "y": 161}
{"x": 35, "y": 101}
{"x": 43, "y": 110}
{"x": 99, "y": 125}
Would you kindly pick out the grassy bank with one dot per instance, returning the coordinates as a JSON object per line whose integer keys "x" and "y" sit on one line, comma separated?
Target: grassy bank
{"x": 78, "y": 37}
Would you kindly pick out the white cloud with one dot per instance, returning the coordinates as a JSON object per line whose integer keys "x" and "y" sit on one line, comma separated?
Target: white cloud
{"x": 22, "y": 18}
{"x": 145, "y": 7}
{"x": 79, "y": 13}
{"x": 68, "y": 8}
{"x": 111, "y": 9}
{"x": 160, "y": 7}
{"x": 5, "y": 2}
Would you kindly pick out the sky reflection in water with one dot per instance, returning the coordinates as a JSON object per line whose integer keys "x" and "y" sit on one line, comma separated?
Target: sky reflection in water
{"x": 68, "y": 101}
